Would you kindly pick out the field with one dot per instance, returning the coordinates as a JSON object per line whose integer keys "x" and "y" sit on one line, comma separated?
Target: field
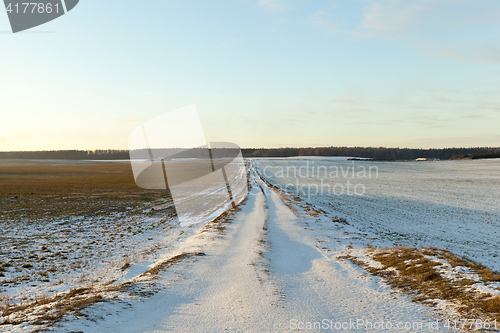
{"x": 445, "y": 204}
{"x": 81, "y": 244}
{"x": 66, "y": 226}
{"x": 29, "y": 187}
{"x": 427, "y": 229}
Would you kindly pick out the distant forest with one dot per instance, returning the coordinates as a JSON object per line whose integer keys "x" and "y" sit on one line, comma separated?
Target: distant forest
{"x": 380, "y": 153}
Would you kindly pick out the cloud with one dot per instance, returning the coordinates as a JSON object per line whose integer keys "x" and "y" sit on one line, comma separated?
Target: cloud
{"x": 452, "y": 29}
{"x": 345, "y": 101}
{"x": 475, "y": 116}
{"x": 436, "y": 16}
{"x": 393, "y": 16}
{"x": 359, "y": 110}
{"x": 492, "y": 106}
{"x": 429, "y": 121}
{"x": 442, "y": 99}
{"x": 385, "y": 123}
{"x": 382, "y": 17}
{"x": 475, "y": 53}
{"x": 273, "y": 5}
{"x": 322, "y": 19}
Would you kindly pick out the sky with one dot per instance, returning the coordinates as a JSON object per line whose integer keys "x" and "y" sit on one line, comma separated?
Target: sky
{"x": 262, "y": 73}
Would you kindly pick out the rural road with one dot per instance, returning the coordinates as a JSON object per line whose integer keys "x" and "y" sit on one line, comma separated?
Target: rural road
{"x": 265, "y": 274}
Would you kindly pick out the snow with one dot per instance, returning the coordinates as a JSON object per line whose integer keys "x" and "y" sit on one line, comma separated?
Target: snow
{"x": 276, "y": 266}
{"x": 444, "y": 306}
{"x": 270, "y": 271}
{"x": 444, "y": 204}
{"x": 493, "y": 290}
{"x": 453, "y": 273}
{"x": 331, "y": 158}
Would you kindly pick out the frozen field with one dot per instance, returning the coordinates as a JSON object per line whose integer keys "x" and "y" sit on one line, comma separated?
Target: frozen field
{"x": 264, "y": 270}
{"x": 84, "y": 249}
{"x": 73, "y": 228}
{"x": 445, "y": 204}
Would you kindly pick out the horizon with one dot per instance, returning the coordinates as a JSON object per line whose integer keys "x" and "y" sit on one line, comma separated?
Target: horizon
{"x": 256, "y": 148}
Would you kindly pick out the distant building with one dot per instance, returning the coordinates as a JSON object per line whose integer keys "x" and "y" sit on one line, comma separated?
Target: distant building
{"x": 422, "y": 159}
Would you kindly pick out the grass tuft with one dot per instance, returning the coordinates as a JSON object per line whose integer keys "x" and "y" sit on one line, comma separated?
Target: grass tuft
{"x": 492, "y": 305}
{"x": 414, "y": 272}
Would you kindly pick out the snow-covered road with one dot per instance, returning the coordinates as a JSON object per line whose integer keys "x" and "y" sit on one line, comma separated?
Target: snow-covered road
{"x": 265, "y": 273}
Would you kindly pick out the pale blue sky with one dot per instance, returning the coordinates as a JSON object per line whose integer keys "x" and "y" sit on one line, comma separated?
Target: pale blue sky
{"x": 262, "y": 73}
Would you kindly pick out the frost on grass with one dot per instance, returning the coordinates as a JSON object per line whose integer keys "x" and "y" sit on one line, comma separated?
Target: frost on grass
{"x": 76, "y": 234}
{"x": 461, "y": 288}
{"x": 69, "y": 231}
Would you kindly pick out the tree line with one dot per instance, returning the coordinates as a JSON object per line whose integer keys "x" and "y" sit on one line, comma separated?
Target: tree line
{"x": 378, "y": 153}
{"x": 104, "y": 154}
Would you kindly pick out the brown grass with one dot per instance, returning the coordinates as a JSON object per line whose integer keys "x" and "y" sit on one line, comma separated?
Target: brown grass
{"x": 339, "y": 220}
{"x": 44, "y": 192}
{"x": 409, "y": 270}
{"x": 63, "y": 309}
{"x": 125, "y": 266}
{"x": 170, "y": 262}
{"x": 492, "y": 305}
{"x": 36, "y": 191}
{"x": 221, "y": 221}
{"x": 51, "y": 309}
{"x": 77, "y": 291}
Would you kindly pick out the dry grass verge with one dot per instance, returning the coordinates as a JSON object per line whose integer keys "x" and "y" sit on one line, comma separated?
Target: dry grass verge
{"x": 169, "y": 263}
{"x": 429, "y": 275}
{"x": 44, "y": 310}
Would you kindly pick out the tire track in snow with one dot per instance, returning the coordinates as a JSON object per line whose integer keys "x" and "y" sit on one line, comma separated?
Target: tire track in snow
{"x": 224, "y": 290}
